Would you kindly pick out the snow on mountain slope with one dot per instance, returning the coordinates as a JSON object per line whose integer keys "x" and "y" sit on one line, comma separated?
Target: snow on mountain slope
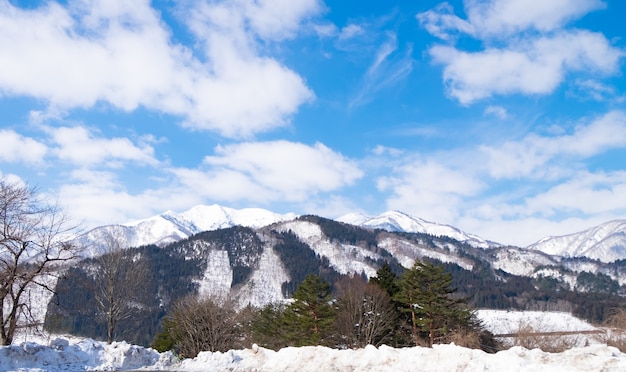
{"x": 213, "y": 217}
{"x": 218, "y": 276}
{"x": 398, "y": 221}
{"x": 265, "y": 284}
{"x": 345, "y": 258}
{"x": 170, "y": 226}
{"x": 407, "y": 252}
{"x": 606, "y": 243}
{"x": 518, "y": 261}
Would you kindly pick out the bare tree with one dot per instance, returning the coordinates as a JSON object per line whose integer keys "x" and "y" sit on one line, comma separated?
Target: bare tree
{"x": 205, "y": 325}
{"x": 31, "y": 248}
{"x": 366, "y": 314}
{"x": 120, "y": 278}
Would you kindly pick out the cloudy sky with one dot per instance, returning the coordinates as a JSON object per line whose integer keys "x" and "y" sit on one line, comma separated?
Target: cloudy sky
{"x": 505, "y": 118}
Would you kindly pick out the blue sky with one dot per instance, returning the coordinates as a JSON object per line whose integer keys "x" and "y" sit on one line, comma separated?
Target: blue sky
{"x": 505, "y": 118}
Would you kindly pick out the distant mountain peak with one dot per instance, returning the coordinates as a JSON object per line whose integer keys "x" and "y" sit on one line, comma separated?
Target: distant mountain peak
{"x": 395, "y": 220}
{"x": 170, "y": 226}
{"x": 605, "y": 242}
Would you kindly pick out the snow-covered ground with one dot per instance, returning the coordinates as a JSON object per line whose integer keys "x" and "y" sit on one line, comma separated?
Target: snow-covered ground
{"x": 76, "y": 354}
{"x": 89, "y": 355}
{"x": 503, "y": 321}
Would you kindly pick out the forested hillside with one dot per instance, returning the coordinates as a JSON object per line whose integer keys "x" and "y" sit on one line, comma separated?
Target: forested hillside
{"x": 245, "y": 260}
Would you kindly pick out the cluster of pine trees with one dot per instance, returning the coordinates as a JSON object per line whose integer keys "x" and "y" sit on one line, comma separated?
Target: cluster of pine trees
{"x": 417, "y": 308}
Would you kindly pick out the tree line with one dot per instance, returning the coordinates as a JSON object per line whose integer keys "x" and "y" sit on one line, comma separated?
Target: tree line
{"x": 417, "y": 308}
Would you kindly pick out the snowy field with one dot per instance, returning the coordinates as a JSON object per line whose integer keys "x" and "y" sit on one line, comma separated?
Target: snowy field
{"x": 76, "y": 354}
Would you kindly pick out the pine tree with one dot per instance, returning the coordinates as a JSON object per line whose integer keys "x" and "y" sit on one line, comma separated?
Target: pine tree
{"x": 309, "y": 319}
{"x": 268, "y": 329}
{"x": 425, "y": 293}
{"x": 386, "y": 279}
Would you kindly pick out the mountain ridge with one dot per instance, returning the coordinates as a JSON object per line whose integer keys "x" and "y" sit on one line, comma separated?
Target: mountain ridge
{"x": 605, "y": 242}
{"x": 258, "y": 266}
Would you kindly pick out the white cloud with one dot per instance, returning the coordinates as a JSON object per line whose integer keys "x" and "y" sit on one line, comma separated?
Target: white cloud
{"x": 524, "y": 231}
{"x": 595, "y": 90}
{"x": 380, "y": 150}
{"x": 331, "y": 206}
{"x": 527, "y": 49}
{"x": 515, "y": 192}
{"x": 497, "y": 111}
{"x": 324, "y": 30}
{"x": 586, "y": 193}
{"x": 384, "y": 71}
{"x": 530, "y": 156}
{"x": 263, "y": 173}
{"x": 120, "y": 53}
{"x": 96, "y": 198}
{"x": 442, "y": 23}
{"x": 12, "y": 179}
{"x": 350, "y": 31}
{"x": 278, "y": 19}
{"x": 78, "y": 146}
{"x": 534, "y": 67}
{"x": 16, "y": 148}
{"x": 270, "y": 171}
{"x": 503, "y": 18}
{"x": 582, "y": 200}
{"x": 428, "y": 189}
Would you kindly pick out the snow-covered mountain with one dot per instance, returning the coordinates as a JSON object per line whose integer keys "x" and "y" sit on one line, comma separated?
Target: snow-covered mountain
{"x": 402, "y": 222}
{"x": 606, "y": 243}
{"x": 171, "y": 227}
{"x": 260, "y": 265}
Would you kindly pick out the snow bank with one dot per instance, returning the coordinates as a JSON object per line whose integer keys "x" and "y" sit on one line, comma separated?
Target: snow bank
{"x": 79, "y": 355}
{"x": 89, "y": 355}
{"x": 440, "y": 358}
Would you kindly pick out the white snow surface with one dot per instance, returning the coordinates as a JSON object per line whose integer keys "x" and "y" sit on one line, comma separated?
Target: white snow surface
{"x": 606, "y": 243}
{"x": 399, "y": 221}
{"x": 89, "y": 355}
{"x": 66, "y": 353}
{"x": 265, "y": 284}
{"x": 504, "y": 322}
{"x": 218, "y": 276}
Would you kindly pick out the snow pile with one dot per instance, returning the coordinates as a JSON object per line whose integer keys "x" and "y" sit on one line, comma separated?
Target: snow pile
{"x": 77, "y": 354}
{"x": 439, "y": 358}
{"x": 80, "y": 355}
{"x": 89, "y": 355}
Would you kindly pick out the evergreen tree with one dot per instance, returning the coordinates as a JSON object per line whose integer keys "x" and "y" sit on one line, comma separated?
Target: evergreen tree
{"x": 309, "y": 319}
{"x": 165, "y": 339}
{"x": 425, "y": 293}
{"x": 386, "y": 279}
{"x": 268, "y": 326}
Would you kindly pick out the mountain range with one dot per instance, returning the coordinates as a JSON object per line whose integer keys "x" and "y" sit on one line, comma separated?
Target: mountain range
{"x": 256, "y": 257}
{"x": 605, "y": 243}
{"x": 600, "y": 250}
